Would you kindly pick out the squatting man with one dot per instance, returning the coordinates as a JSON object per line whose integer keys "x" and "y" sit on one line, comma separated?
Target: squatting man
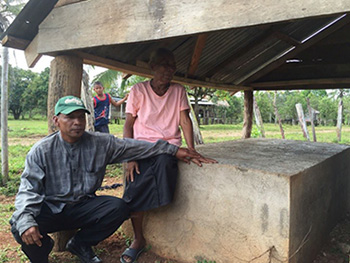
{"x": 61, "y": 175}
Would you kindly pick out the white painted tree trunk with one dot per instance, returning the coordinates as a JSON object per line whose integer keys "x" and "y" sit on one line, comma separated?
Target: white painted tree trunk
{"x": 258, "y": 118}
{"x": 197, "y": 136}
{"x": 340, "y": 116}
{"x": 302, "y": 120}
{"x": 312, "y": 115}
{"x": 4, "y": 116}
{"x": 86, "y": 96}
{"x": 277, "y": 115}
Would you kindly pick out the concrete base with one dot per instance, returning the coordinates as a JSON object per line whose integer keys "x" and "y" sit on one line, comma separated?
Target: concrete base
{"x": 266, "y": 201}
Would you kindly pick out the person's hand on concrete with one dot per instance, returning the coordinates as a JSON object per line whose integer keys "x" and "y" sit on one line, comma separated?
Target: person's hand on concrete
{"x": 188, "y": 156}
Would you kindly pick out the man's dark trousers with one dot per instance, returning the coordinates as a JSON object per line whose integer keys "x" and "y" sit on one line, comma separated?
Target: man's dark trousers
{"x": 96, "y": 218}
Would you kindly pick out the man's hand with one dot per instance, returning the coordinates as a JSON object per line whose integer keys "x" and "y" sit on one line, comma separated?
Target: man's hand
{"x": 32, "y": 236}
{"x": 188, "y": 156}
{"x": 130, "y": 168}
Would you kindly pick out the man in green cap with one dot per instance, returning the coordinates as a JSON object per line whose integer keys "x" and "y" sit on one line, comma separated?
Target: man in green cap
{"x": 62, "y": 173}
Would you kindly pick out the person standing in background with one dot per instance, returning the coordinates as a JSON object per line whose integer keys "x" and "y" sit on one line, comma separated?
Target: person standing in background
{"x": 101, "y": 107}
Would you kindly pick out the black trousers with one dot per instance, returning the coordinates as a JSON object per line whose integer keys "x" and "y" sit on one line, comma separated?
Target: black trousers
{"x": 96, "y": 218}
{"x": 155, "y": 185}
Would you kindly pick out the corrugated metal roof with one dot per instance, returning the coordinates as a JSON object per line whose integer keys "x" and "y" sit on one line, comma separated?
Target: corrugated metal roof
{"x": 231, "y": 56}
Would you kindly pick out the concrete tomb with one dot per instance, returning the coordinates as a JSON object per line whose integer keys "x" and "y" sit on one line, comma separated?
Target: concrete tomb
{"x": 265, "y": 201}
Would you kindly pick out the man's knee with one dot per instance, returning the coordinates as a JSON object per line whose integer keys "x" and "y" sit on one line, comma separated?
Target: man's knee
{"x": 119, "y": 208}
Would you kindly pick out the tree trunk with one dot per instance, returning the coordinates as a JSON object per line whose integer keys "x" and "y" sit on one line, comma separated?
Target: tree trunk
{"x": 312, "y": 115}
{"x": 4, "y": 117}
{"x": 86, "y": 96}
{"x": 258, "y": 119}
{"x": 65, "y": 79}
{"x": 278, "y": 118}
{"x": 248, "y": 114}
{"x": 302, "y": 120}
{"x": 197, "y": 136}
{"x": 340, "y": 116}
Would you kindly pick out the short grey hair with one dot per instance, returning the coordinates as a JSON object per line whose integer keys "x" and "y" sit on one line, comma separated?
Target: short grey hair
{"x": 159, "y": 54}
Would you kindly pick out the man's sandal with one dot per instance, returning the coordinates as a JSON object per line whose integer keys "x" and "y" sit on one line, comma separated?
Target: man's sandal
{"x": 132, "y": 253}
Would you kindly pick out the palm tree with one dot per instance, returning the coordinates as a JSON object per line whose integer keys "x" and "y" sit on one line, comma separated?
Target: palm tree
{"x": 115, "y": 82}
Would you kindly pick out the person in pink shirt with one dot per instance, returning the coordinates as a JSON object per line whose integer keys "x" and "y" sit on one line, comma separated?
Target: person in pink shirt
{"x": 155, "y": 110}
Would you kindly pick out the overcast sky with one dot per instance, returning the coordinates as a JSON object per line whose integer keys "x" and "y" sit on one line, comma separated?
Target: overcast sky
{"x": 17, "y": 59}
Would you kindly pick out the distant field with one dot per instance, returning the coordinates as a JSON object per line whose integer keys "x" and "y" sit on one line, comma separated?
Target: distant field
{"x": 28, "y": 131}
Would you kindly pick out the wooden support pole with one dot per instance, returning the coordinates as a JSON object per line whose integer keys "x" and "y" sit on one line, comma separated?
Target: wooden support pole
{"x": 65, "y": 79}
{"x": 248, "y": 114}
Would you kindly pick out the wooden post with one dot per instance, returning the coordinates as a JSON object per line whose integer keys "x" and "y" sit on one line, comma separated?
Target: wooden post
{"x": 65, "y": 79}
{"x": 302, "y": 120}
{"x": 248, "y": 114}
{"x": 311, "y": 114}
{"x": 258, "y": 118}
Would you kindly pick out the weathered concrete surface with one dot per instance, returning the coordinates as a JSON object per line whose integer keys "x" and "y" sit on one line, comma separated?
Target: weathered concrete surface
{"x": 266, "y": 201}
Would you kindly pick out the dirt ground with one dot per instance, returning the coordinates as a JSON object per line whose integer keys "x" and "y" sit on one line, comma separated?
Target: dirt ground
{"x": 336, "y": 249}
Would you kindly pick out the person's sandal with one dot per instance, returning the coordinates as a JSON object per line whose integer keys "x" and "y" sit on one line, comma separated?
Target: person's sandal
{"x": 132, "y": 253}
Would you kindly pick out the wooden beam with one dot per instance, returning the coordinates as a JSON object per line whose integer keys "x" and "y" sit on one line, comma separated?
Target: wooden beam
{"x": 288, "y": 39}
{"x": 108, "y": 22}
{"x": 31, "y": 54}
{"x": 281, "y": 59}
{"x": 126, "y": 76}
{"x": 14, "y": 42}
{"x": 196, "y": 54}
{"x": 67, "y": 2}
{"x": 303, "y": 84}
{"x": 146, "y": 72}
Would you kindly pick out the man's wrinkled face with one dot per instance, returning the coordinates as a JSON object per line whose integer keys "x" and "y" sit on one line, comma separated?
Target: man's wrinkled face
{"x": 72, "y": 126}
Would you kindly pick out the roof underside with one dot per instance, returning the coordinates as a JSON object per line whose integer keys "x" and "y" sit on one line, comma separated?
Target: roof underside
{"x": 311, "y": 53}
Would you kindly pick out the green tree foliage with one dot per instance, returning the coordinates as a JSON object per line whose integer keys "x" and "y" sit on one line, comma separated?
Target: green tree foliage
{"x": 27, "y": 91}
{"x": 35, "y": 96}
{"x": 234, "y": 111}
{"x": 19, "y": 80}
{"x": 114, "y": 83}
{"x": 265, "y": 104}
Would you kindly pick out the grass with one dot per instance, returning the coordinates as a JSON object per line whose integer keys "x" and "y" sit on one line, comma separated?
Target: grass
{"x": 6, "y": 211}
{"x": 20, "y": 132}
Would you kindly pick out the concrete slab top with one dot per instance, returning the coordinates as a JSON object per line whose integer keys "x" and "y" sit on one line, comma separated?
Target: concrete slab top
{"x": 282, "y": 157}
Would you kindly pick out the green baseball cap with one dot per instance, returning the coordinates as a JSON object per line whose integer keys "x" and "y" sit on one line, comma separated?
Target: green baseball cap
{"x": 69, "y": 104}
